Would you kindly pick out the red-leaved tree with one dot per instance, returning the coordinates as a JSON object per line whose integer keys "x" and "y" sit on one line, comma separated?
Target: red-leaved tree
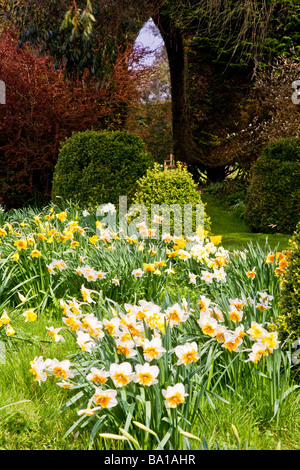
{"x": 42, "y": 109}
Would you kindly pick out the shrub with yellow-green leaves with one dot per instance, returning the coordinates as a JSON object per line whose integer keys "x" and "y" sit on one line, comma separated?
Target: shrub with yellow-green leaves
{"x": 173, "y": 189}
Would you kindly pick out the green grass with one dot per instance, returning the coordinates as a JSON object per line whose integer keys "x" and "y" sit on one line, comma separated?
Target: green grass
{"x": 233, "y": 229}
{"x": 31, "y": 416}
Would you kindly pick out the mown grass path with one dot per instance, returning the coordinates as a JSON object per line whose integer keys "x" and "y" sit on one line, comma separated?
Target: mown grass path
{"x": 234, "y": 231}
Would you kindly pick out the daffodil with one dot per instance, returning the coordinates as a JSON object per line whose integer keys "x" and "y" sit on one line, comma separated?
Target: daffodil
{"x": 234, "y": 314}
{"x": 216, "y": 240}
{"x": 193, "y": 278}
{"x": 153, "y": 349}
{"x": 16, "y": 256}
{"x": 258, "y": 350}
{"x": 94, "y": 239}
{"x": 39, "y": 368}
{"x": 105, "y": 398}
{"x": 230, "y": 341}
{"x": 169, "y": 270}
{"x": 53, "y": 332}
{"x": 64, "y": 384}
{"x": 270, "y": 258}
{"x": 157, "y": 219}
{"x": 98, "y": 375}
{"x": 175, "y": 315}
{"x": 4, "y": 320}
{"x": 174, "y": 396}
{"x": 21, "y": 244}
{"x": 86, "y": 294}
{"x": 62, "y": 216}
{"x": 208, "y": 325}
{"x": 207, "y": 277}
{"x": 112, "y": 326}
{"x": 270, "y": 340}
{"x": 36, "y": 253}
{"x": 121, "y": 374}
{"x": 9, "y": 330}
{"x": 61, "y": 369}
{"x": 30, "y": 315}
{"x": 251, "y": 273}
{"x": 85, "y": 341}
{"x": 146, "y": 374}
{"x": 126, "y": 348}
{"x": 149, "y": 267}
{"x": 256, "y": 331}
{"x": 88, "y": 411}
{"x": 187, "y": 353}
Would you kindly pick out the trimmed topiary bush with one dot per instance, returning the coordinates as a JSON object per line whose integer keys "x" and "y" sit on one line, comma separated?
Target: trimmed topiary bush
{"x": 97, "y": 167}
{"x": 171, "y": 187}
{"x": 273, "y": 197}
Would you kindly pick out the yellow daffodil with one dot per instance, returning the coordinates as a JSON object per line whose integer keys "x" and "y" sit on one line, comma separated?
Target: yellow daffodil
{"x": 9, "y": 330}
{"x": 30, "y": 315}
{"x": 216, "y": 240}
{"x": 21, "y": 244}
{"x": 4, "y": 320}
{"x": 16, "y": 256}
{"x": 62, "y": 216}
{"x": 36, "y": 253}
{"x": 251, "y": 273}
{"x": 149, "y": 267}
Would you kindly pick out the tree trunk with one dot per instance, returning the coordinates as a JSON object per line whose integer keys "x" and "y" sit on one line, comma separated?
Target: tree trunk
{"x": 182, "y": 137}
{"x": 208, "y": 104}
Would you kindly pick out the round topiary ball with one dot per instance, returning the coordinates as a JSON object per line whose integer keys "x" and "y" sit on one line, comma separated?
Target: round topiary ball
{"x": 169, "y": 190}
{"x": 97, "y": 167}
{"x": 273, "y": 197}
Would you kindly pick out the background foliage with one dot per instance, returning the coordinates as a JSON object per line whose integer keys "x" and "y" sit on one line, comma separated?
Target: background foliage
{"x": 273, "y": 199}
{"x": 42, "y": 109}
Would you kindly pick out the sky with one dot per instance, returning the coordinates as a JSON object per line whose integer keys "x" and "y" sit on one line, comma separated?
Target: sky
{"x": 147, "y": 39}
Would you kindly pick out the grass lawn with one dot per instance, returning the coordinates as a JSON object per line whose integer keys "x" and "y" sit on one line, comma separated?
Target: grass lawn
{"x": 235, "y": 233}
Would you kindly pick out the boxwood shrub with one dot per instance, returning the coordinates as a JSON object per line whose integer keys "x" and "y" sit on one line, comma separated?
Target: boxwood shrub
{"x": 273, "y": 197}
{"x": 97, "y": 167}
{"x": 171, "y": 187}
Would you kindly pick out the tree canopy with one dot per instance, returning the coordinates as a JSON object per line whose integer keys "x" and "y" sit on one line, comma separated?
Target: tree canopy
{"x": 86, "y": 35}
{"x": 214, "y": 47}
